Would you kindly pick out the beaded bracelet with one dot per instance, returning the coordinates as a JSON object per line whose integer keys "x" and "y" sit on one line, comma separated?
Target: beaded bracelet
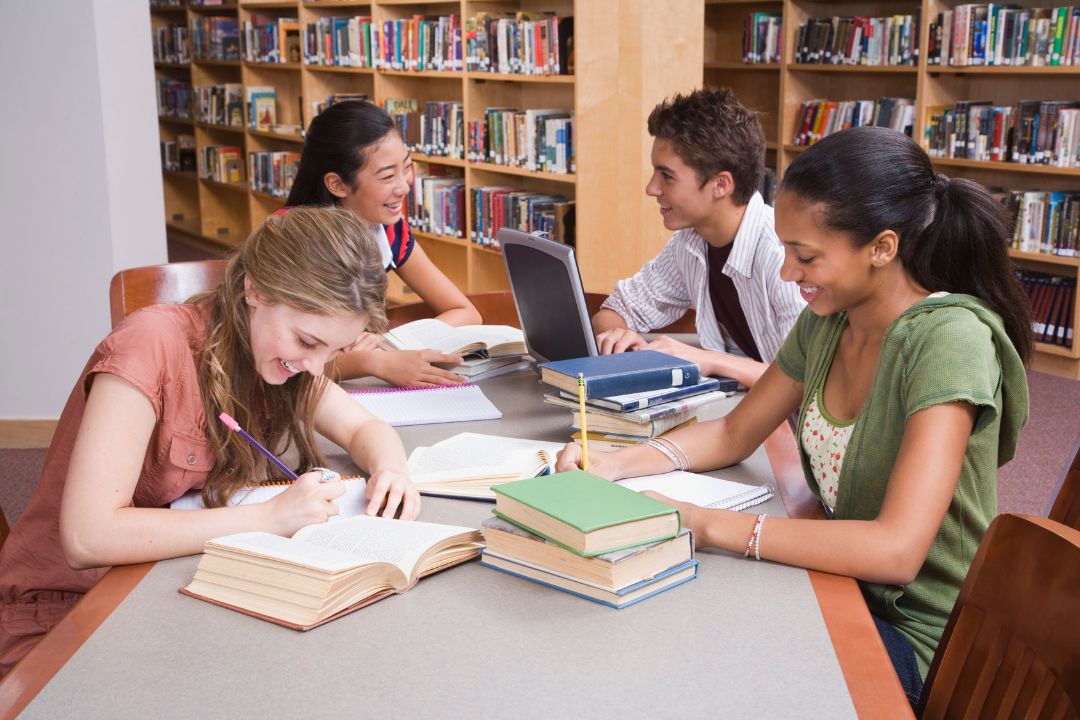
{"x": 753, "y": 544}
{"x": 654, "y": 443}
{"x": 760, "y": 532}
{"x": 685, "y": 463}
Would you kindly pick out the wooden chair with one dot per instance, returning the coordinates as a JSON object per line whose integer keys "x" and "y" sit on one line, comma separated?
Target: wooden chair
{"x": 497, "y": 308}
{"x": 138, "y": 287}
{"x": 1065, "y": 507}
{"x": 4, "y": 529}
{"x": 1010, "y": 648}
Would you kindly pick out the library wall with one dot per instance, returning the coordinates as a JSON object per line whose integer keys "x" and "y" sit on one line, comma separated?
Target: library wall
{"x": 78, "y": 201}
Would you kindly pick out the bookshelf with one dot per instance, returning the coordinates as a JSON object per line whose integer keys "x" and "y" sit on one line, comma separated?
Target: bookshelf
{"x": 777, "y": 92}
{"x": 613, "y": 88}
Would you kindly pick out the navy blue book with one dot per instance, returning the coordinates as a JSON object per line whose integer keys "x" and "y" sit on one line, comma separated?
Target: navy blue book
{"x": 652, "y": 398}
{"x": 622, "y": 373}
{"x": 672, "y": 577}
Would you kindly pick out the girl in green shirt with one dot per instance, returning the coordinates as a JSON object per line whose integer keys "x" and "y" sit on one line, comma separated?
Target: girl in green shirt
{"x": 907, "y": 371}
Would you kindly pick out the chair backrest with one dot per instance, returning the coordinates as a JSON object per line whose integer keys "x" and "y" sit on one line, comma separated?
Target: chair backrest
{"x": 1011, "y": 647}
{"x": 138, "y": 287}
{"x": 1065, "y": 505}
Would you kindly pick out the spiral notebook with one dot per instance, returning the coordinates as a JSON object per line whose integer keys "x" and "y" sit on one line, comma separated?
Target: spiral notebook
{"x": 702, "y": 490}
{"x": 427, "y": 405}
{"x": 353, "y": 502}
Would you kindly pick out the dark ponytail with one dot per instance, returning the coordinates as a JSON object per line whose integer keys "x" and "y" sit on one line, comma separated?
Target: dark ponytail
{"x": 953, "y": 235}
{"x": 337, "y": 141}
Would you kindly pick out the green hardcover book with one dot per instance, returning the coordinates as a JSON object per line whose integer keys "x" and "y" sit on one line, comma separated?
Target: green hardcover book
{"x": 585, "y": 513}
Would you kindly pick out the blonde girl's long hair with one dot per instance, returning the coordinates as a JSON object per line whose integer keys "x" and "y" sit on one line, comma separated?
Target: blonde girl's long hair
{"x": 315, "y": 260}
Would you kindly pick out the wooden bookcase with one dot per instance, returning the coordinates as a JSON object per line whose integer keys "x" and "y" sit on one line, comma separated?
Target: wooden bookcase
{"x": 621, "y": 71}
{"x": 777, "y": 92}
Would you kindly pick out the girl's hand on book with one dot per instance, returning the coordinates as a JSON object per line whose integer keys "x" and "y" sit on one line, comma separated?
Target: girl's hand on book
{"x": 600, "y": 463}
{"x": 618, "y": 340}
{"x": 388, "y": 492}
{"x": 411, "y": 368}
{"x": 306, "y": 501}
{"x": 368, "y": 341}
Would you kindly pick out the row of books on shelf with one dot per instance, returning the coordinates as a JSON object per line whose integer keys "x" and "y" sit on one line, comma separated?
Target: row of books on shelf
{"x": 438, "y": 129}
{"x": 1053, "y": 300}
{"x": 763, "y": 38}
{"x": 524, "y": 43}
{"x": 859, "y": 40}
{"x": 178, "y": 155}
{"x": 1044, "y": 222}
{"x": 273, "y": 173}
{"x": 437, "y": 204}
{"x": 220, "y": 104}
{"x": 537, "y": 139}
{"x": 215, "y": 38}
{"x": 1005, "y": 34}
{"x": 494, "y": 208}
{"x": 222, "y": 163}
{"x": 174, "y": 99}
{"x": 268, "y": 39}
{"x": 1032, "y": 132}
{"x": 820, "y": 118}
{"x": 171, "y": 44}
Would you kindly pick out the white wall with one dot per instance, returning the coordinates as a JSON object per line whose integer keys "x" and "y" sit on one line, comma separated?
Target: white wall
{"x": 80, "y": 186}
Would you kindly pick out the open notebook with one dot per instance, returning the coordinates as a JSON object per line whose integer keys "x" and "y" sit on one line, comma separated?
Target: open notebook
{"x": 702, "y": 490}
{"x": 426, "y": 405}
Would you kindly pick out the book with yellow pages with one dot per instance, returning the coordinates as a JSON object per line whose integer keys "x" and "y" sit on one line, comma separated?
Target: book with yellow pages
{"x": 585, "y": 513}
{"x": 429, "y": 333}
{"x": 468, "y": 464}
{"x": 325, "y": 570}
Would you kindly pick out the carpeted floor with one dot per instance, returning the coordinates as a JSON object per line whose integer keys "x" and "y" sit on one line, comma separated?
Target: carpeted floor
{"x": 1024, "y": 485}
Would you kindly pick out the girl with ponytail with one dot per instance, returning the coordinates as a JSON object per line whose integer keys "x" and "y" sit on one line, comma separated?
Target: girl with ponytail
{"x": 140, "y": 428}
{"x": 907, "y": 371}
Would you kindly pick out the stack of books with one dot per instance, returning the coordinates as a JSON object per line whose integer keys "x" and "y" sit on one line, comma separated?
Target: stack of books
{"x": 583, "y": 535}
{"x": 630, "y": 397}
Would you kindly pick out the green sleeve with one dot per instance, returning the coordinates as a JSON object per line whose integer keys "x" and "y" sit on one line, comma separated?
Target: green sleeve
{"x": 951, "y": 357}
{"x": 792, "y": 355}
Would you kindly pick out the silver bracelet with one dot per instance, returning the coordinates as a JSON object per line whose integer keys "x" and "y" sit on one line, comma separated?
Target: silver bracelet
{"x": 655, "y": 444}
{"x": 684, "y": 464}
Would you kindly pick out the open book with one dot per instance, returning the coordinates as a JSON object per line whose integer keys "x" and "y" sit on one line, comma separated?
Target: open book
{"x": 468, "y": 464}
{"x": 494, "y": 340}
{"x": 326, "y": 570}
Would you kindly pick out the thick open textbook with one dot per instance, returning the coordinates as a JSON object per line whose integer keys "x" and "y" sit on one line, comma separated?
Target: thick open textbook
{"x": 429, "y": 333}
{"x": 325, "y": 570}
{"x": 468, "y": 464}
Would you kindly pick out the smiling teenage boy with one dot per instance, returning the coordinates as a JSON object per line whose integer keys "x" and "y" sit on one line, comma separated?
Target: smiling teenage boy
{"x": 724, "y": 258}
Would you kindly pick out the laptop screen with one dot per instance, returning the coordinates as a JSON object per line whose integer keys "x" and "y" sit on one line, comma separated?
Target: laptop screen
{"x": 549, "y": 297}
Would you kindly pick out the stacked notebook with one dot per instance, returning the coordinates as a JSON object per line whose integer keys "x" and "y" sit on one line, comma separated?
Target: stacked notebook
{"x": 426, "y": 405}
{"x": 630, "y": 397}
{"x": 583, "y": 535}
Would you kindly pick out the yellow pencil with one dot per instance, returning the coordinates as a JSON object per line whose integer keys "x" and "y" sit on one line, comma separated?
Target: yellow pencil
{"x": 584, "y": 427}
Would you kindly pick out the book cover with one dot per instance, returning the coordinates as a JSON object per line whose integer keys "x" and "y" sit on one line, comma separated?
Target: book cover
{"x": 672, "y": 577}
{"x": 585, "y": 513}
{"x": 621, "y": 373}
{"x": 427, "y": 405}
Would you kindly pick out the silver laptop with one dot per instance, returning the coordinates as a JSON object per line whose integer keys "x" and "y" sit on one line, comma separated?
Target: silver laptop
{"x": 549, "y": 297}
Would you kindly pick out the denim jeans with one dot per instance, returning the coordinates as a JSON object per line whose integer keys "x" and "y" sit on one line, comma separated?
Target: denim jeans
{"x": 902, "y": 655}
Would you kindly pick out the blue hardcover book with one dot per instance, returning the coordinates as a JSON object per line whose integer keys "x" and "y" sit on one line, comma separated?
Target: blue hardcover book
{"x": 622, "y": 373}
{"x": 630, "y": 595}
{"x": 651, "y": 398}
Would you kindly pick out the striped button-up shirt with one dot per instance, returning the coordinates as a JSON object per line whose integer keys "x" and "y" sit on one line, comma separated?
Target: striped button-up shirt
{"x": 678, "y": 279}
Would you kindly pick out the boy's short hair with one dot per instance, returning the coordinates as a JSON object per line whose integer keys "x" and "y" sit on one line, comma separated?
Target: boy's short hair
{"x": 712, "y": 131}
